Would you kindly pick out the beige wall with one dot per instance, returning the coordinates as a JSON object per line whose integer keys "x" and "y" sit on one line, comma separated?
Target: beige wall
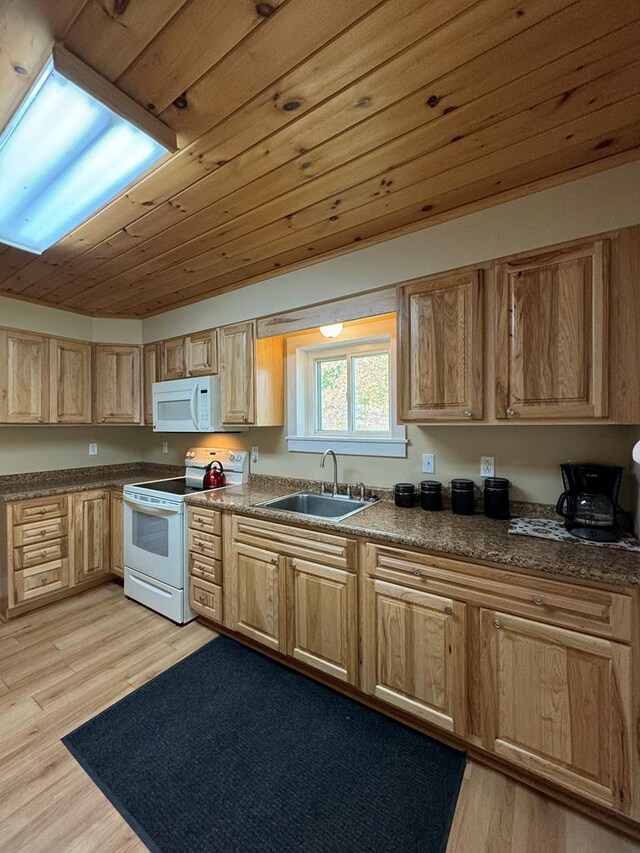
{"x": 528, "y": 455}
{"x": 50, "y": 321}
{"x": 35, "y": 448}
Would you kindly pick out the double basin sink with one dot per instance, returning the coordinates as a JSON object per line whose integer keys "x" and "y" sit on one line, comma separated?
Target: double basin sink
{"x": 335, "y": 508}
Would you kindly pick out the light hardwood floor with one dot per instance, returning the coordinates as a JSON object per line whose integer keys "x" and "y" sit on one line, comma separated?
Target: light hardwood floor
{"x": 62, "y": 665}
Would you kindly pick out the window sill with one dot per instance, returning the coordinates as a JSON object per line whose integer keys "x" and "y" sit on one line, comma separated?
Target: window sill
{"x": 394, "y": 447}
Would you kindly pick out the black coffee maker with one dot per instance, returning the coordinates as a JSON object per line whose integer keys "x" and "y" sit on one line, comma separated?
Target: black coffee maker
{"x": 589, "y": 503}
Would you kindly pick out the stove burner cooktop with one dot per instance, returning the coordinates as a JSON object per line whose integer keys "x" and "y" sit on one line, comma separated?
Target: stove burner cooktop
{"x": 177, "y": 486}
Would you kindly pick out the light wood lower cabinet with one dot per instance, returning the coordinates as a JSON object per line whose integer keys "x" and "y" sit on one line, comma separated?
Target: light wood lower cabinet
{"x": 557, "y": 703}
{"x": 322, "y": 612}
{"x": 261, "y": 596}
{"x": 117, "y": 533}
{"x": 414, "y": 652}
{"x": 90, "y": 535}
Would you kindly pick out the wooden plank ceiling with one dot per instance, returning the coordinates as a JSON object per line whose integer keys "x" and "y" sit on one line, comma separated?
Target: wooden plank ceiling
{"x": 309, "y": 128}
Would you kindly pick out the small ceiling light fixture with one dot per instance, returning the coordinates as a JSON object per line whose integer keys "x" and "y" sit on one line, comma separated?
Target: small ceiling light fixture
{"x": 75, "y": 142}
{"x": 332, "y": 331}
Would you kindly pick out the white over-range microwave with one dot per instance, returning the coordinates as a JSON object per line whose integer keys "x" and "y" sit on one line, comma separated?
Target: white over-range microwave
{"x": 189, "y": 405}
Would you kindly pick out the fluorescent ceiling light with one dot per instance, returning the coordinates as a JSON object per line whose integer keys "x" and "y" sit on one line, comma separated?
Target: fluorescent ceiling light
{"x": 66, "y": 152}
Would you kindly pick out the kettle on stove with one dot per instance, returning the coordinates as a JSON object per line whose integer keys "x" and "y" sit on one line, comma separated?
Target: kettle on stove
{"x": 214, "y": 476}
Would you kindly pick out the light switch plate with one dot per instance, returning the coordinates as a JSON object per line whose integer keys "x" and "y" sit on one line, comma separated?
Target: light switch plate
{"x": 165, "y": 446}
{"x": 487, "y": 466}
{"x": 255, "y": 454}
{"x": 428, "y": 463}
{"x": 93, "y": 448}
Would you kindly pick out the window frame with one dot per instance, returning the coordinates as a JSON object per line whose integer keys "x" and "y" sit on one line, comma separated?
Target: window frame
{"x": 304, "y": 351}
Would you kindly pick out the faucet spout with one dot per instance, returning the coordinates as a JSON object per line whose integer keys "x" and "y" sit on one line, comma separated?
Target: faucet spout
{"x": 335, "y": 468}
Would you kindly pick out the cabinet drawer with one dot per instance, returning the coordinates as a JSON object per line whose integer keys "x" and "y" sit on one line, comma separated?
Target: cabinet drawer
{"x": 39, "y": 531}
{"x": 40, "y": 581}
{"x": 39, "y": 509}
{"x": 206, "y": 544}
{"x": 38, "y": 553}
{"x": 310, "y": 545}
{"x": 568, "y": 605}
{"x": 206, "y": 520}
{"x": 206, "y": 599}
{"x": 205, "y": 567}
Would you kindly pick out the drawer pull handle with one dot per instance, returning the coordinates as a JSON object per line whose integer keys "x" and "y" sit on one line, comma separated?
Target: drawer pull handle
{"x": 43, "y": 553}
{"x": 203, "y": 599}
{"x": 42, "y": 512}
{"x": 43, "y": 533}
{"x": 539, "y": 600}
{"x": 294, "y": 565}
{"x": 274, "y": 561}
{"x": 416, "y": 572}
{"x": 468, "y": 413}
{"x": 43, "y": 580}
{"x": 448, "y": 610}
{"x": 497, "y": 623}
{"x": 510, "y": 412}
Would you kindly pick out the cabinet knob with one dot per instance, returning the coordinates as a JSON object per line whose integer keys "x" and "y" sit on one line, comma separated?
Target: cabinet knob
{"x": 539, "y": 600}
{"x": 448, "y": 610}
{"x": 43, "y": 580}
{"x": 245, "y": 418}
{"x": 43, "y": 533}
{"x": 293, "y": 564}
{"x": 468, "y": 413}
{"x": 497, "y": 623}
{"x": 274, "y": 560}
{"x": 43, "y": 553}
{"x": 510, "y": 412}
{"x": 104, "y": 419}
{"x": 42, "y": 511}
{"x": 416, "y": 572}
{"x": 202, "y": 599}
{"x": 40, "y": 420}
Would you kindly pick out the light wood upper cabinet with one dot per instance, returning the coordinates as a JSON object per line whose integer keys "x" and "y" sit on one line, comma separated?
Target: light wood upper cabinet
{"x": 440, "y": 348}
{"x": 117, "y": 384}
{"x": 202, "y": 353}
{"x": 117, "y": 534}
{"x": 91, "y": 535}
{"x": 322, "y": 611}
{"x": 261, "y": 596}
{"x": 251, "y": 377}
{"x": 557, "y": 704}
{"x": 70, "y": 381}
{"x": 551, "y": 334}
{"x": 24, "y": 378}
{"x": 414, "y": 653}
{"x": 173, "y": 359}
{"x": 151, "y": 374}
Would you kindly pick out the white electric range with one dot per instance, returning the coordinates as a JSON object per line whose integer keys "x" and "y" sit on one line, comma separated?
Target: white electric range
{"x": 156, "y": 563}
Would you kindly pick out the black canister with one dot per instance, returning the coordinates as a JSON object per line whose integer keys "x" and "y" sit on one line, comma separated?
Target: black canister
{"x": 404, "y": 494}
{"x": 496, "y": 497}
{"x": 462, "y": 496}
{"x": 431, "y": 495}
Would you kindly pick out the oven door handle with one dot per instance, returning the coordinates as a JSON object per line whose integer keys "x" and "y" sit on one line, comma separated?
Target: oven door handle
{"x": 148, "y": 509}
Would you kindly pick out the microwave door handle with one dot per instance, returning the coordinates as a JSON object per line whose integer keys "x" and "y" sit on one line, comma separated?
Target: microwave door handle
{"x": 194, "y": 408}
{"x": 150, "y": 510}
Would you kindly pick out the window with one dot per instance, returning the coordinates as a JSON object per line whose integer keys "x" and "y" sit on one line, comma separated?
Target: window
{"x": 342, "y": 393}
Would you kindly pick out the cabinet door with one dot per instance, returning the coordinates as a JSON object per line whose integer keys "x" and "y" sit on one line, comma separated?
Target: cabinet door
{"x": 414, "y": 653}
{"x": 202, "y": 353}
{"x": 322, "y": 611}
{"x": 151, "y": 374}
{"x": 551, "y": 335}
{"x": 173, "y": 359}
{"x": 70, "y": 382}
{"x": 557, "y": 704}
{"x": 440, "y": 349}
{"x": 117, "y": 384}
{"x": 90, "y": 534}
{"x": 237, "y": 345}
{"x": 261, "y": 596}
{"x": 24, "y": 378}
{"x": 117, "y": 534}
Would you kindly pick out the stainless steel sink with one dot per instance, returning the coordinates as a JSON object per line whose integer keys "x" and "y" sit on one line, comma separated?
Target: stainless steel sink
{"x": 319, "y": 506}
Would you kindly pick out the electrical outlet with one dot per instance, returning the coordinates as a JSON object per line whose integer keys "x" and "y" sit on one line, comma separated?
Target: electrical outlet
{"x": 487, "y": 466}
{"x": 255, "y": 454}
{"x": 428, "y": 463}
{"x": 93, "y": 449}
{"x": 165, "y": 446}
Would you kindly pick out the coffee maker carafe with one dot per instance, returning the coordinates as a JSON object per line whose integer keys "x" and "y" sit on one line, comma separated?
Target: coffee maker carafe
{"x": 589, "y": 503}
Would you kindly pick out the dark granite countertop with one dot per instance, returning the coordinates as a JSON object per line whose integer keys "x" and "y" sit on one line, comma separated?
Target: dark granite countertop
{"x": 473, "y": 537}
{"x": 14, "y": 487}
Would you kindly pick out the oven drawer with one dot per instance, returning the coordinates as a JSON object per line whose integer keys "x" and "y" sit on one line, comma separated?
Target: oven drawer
{"x": 205, "y": 544}
{"x": 39, "y": 509}
{"x": 40, "y": 552}
{"x": 205, "y": 567}
{"x": 206, "y": 599}
{"x": 40, "y": 581}
{"x": 154, "y": 594}
{"x": 39, "y": 531}
{"x": 206, "y": 520}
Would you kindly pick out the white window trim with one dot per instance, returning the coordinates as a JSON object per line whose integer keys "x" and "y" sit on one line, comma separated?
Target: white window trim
{"x": 300, "y": 350}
